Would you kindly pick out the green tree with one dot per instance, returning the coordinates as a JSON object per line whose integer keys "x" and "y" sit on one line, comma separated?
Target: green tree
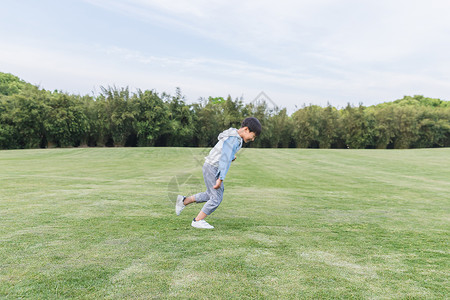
{"x": 181, "y": 127}
{"x": 209, "y": 122}
{"x": 31, "y": 117}
{"x": 406, "y": 126}
{"x": 385, "y": 126}
{"x": 358, "y": 127}
{"x": 96, "y": 129}
{"x": 328, "y": 128}
{"x": 65, "y": 123}
{"x": 307, "y": 124}
{"x": 278, "y": 130}
{"x": 232, "y": 112}
{"x": 419, "y": 100}
{"x": 433, "y": 128}
{"x": 27, "y": 114}
{"x": 8, "y": 135}
{"x": 152, "y": 120}
{"x": 118, "y": 114}
{"x": 10, "y": 84}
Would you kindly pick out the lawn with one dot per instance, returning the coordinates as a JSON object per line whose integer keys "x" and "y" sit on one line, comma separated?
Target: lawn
{"x": 294, "y": 223}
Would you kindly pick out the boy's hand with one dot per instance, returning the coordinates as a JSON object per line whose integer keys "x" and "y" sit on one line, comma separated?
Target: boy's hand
{"x": 218, "y": 183}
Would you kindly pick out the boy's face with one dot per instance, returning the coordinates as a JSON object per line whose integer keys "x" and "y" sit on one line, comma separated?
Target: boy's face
{"x": 248, "y": 136}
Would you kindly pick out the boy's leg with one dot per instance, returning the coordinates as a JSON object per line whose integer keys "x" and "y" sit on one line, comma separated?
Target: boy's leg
{"x": 201, "y": 215}
{"x": 199, "y": 198}
{"x": 189, "y": 200}
{"x": 215, "y": 196}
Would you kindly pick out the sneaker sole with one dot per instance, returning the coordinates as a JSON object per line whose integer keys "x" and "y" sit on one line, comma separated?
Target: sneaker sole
{"x": 212, "y": 227}
{"x": 177, "y": 204}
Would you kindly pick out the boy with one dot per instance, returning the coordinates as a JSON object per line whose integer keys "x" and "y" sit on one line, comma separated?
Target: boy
{"x": 215, "y": 169}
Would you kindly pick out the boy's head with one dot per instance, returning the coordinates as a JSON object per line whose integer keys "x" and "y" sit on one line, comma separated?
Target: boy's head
{"x": 250, "y": 129}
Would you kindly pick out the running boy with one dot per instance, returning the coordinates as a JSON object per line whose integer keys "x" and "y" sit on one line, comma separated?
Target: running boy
{"x": 215, "y": 169}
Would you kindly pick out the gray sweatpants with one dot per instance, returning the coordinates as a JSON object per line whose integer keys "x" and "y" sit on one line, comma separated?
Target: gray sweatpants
{"x": 212, "y": 196}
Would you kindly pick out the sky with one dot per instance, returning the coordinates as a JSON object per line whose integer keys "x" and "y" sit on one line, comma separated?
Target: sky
{"x": 296, "y": 52}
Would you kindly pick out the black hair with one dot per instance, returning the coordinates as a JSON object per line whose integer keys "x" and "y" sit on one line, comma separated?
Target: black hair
{"x": 253, "y": 125}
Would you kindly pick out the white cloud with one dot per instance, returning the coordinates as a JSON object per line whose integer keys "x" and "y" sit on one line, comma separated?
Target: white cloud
{"x": 296, "y": 51}
{"x": 349, "y": 30}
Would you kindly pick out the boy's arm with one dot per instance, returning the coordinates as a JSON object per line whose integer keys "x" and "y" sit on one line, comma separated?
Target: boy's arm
{"x": 227, "y": 156}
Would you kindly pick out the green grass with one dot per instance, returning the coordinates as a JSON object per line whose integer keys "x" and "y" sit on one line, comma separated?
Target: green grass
{"x": 98, "y": 223}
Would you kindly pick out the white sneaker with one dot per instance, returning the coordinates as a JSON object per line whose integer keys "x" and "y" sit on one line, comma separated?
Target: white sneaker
{"x": 201, "y": 224}
{"x": 179, "y": 205}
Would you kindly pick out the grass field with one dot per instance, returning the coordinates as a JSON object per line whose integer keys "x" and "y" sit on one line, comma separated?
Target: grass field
{"x": 294, "y": 223}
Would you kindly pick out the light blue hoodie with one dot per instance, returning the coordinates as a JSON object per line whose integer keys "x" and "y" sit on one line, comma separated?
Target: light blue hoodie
{"x": 224, "y": 151}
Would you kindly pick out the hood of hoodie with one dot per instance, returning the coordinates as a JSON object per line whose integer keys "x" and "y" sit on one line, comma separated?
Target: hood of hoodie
{"x": 227, "y": 133}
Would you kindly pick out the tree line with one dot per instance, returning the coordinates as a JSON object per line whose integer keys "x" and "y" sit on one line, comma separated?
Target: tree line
{"x": 31, "y": 117}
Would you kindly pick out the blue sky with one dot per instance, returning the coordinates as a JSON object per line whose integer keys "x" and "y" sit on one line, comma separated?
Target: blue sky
{"x": 297, "y": 52}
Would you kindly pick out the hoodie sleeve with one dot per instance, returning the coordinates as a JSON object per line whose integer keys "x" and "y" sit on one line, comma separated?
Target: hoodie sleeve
{"x": 227, "y": 155}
